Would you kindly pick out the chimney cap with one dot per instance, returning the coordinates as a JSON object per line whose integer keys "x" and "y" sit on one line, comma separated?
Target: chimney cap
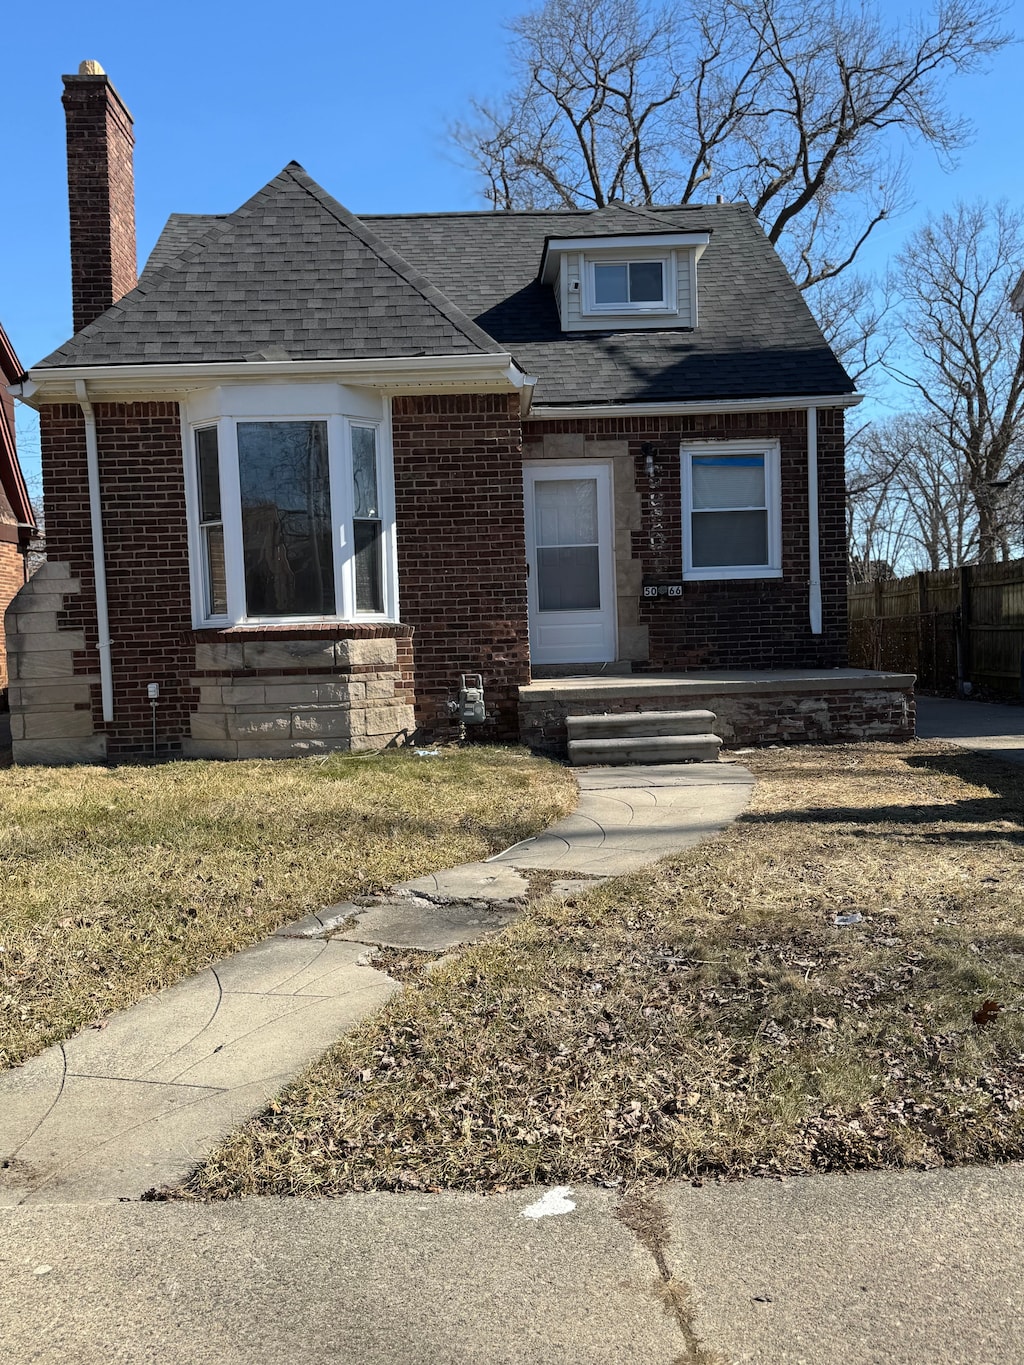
{"x": 90, "y": 69}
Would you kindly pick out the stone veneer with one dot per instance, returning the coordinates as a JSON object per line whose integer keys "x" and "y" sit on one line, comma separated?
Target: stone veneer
{"x": 834, "y": 707}
{"x": 265, "y": 695}
{"x": 51, "y": 710}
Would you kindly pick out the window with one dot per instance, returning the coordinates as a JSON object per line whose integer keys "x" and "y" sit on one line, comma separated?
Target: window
{"x": 291, "y": 519}
{"x": 731, "y": 512}
{"x": 367, "y": 528}
{"x": 284, "y": 484}
{"x": 211, "y": 527}
{"x": 630, "y": 282}
{"x": 630, "y": 286}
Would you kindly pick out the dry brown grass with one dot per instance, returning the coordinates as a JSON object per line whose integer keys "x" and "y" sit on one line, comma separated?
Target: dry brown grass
{"x": 117, "y": 881}
{"x": 709, "y": 1017}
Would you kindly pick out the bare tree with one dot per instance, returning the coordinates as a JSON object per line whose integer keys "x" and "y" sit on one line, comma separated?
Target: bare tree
{"x": 962, "y": 353}
{"x": 877, "y": 518}
{"x": 802, "y": 107}
{"x": 908, "y": 490}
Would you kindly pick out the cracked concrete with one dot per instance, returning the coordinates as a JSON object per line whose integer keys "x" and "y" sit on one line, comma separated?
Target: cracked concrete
{"x": 114, "y": 1111}
{"x": 899, "y": 1267}
{"x": 416, "y": 922}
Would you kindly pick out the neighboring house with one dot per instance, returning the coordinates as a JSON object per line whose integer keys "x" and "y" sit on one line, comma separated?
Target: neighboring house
{"x": 312, "y": 468}
{"x": 17, "y": 522}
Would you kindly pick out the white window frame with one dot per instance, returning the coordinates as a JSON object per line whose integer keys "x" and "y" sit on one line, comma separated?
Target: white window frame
{"x": 339, "y": 455}
{"x": 669, "y": 299}
{"x": 772, "y": 454}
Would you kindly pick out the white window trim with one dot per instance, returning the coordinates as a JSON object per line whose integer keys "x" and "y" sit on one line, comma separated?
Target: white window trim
{"x": 339, "y": 453}
{"x": 771, "y": 451}
{"x": 670, "y": 298}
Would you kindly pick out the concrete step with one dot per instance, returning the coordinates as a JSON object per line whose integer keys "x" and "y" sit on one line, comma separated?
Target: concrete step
{"x": 640, "y": 724}
{"x": 645, "y": 749}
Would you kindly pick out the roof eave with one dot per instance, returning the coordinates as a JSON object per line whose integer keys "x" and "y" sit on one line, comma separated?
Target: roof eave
{"x": 396, "y": 375}
{"x": 542, "y": 412}
{"x": 555, "y": 246}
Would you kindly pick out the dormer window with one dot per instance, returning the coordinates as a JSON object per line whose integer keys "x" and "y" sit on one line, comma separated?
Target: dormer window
{"x": 621, "y": 281}
{"x": 625, "y": 286}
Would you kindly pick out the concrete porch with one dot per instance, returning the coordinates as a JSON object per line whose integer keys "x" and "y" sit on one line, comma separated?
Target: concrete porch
{"x": 790, "y": 706}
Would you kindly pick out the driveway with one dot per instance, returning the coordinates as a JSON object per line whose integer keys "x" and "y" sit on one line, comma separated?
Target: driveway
{"x": 985, "y": 727}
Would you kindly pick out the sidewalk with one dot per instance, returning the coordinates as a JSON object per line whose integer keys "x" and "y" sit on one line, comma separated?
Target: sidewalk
{"x": 883, "y": 1268}
{"x": 985, "y": 727}
{"x": 113, "y": 1112}
{"x": 880, "y": 1268}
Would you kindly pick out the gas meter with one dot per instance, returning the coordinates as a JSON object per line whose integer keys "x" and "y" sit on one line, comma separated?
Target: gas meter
{"x": 471, "y": 699}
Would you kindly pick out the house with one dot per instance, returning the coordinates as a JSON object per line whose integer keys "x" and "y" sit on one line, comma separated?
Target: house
{"x": 17, "y": 521}
{"x": 312, "y": 468}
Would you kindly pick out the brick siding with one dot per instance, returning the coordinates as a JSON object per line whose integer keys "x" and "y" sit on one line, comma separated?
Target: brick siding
{"x": 12, "y": 576}
{"x": 462, "y": 561}
{"x": 462, "y": 553}
{"x": 458, "y": 476}
{"x": 146, "y": 550}
{"x": 101, "y": 191}
{"x": 738, "y": 623}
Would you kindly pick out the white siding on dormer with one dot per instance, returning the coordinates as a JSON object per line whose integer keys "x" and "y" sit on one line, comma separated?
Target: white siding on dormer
{"x": 569, "y": 291}
{"x": 571, "y": 263}
{"x": 684, "y": 288}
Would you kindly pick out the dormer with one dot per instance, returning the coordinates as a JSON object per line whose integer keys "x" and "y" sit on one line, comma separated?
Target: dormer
{"x": 625, "y": 280}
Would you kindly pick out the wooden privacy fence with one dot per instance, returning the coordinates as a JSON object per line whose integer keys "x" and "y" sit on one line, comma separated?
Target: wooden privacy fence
{"x": 950, "y": 627}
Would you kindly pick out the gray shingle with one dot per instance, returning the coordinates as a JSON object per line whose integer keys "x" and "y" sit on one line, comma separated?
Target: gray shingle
{"x": 756, "y": 336}
{"x": 291, "y": 267}
{"x": 292, "y": 271}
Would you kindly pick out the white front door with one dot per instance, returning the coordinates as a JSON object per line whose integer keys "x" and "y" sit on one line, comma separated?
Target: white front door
{"x": 572, "y": 571}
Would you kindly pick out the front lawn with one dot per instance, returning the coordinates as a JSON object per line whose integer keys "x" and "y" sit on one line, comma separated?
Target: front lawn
{"x": 117, "y": 881}
{"x": 710, "y": 1017}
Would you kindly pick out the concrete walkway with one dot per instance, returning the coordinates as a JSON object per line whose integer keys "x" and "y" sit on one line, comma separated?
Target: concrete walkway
{"x": 985, "y": 727}
{"x": 116, "y": 1111}
{"x": 885, "y": 1268}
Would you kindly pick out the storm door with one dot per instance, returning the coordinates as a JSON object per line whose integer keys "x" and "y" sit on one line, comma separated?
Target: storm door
{"x": 571, "y": 566}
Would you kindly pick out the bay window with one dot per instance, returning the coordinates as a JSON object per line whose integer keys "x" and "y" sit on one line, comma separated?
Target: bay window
{"x": 291, "y": 516}
{"x": 731, "y": 510}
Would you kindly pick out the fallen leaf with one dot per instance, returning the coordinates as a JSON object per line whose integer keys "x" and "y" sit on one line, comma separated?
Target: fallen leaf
{"x": 986, "y": 1013}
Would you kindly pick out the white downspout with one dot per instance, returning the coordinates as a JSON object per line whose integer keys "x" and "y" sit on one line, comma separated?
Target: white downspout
{"x": 813, "y": 536}
{"x": 92, "y": 459}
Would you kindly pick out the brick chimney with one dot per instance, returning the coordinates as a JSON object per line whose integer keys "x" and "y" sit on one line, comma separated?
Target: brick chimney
{"x": 101, "y": 193}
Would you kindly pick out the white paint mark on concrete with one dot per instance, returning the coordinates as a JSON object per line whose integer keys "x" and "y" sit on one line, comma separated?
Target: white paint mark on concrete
{"x": 554, "y": 1202}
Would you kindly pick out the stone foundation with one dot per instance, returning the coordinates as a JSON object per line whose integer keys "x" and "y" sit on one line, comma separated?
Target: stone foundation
{"x": 51, "y": 704}
{"x": 839, "y": 706}
{"x": 265, "y": 695}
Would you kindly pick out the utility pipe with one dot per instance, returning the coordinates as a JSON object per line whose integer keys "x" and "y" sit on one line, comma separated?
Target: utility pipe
{"x": 92, "y": 460}
{"x": 813, "y": 536}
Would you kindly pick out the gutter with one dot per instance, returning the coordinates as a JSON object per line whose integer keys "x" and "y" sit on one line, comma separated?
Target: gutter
{"x": 98, "y": 560}
{"x": 396, "y": 374}
{"x": 543, "y": 412}
{"x": 813, "y": 535}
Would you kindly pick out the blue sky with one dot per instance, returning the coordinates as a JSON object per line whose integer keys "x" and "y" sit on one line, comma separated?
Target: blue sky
{"x": 225, "y": 94}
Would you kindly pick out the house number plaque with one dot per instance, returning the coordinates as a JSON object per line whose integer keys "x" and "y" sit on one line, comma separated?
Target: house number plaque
{"x": 662, "y": 590}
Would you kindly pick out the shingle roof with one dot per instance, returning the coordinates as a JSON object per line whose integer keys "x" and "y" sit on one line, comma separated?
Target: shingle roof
{"x": 756, "y": 336}
{"x": 293, "y": 269}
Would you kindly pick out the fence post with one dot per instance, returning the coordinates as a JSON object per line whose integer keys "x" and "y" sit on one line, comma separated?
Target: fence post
{"x": 922, "y": 612}
{"x": 879, "y": 588}
{"x": 963, "y": 638}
